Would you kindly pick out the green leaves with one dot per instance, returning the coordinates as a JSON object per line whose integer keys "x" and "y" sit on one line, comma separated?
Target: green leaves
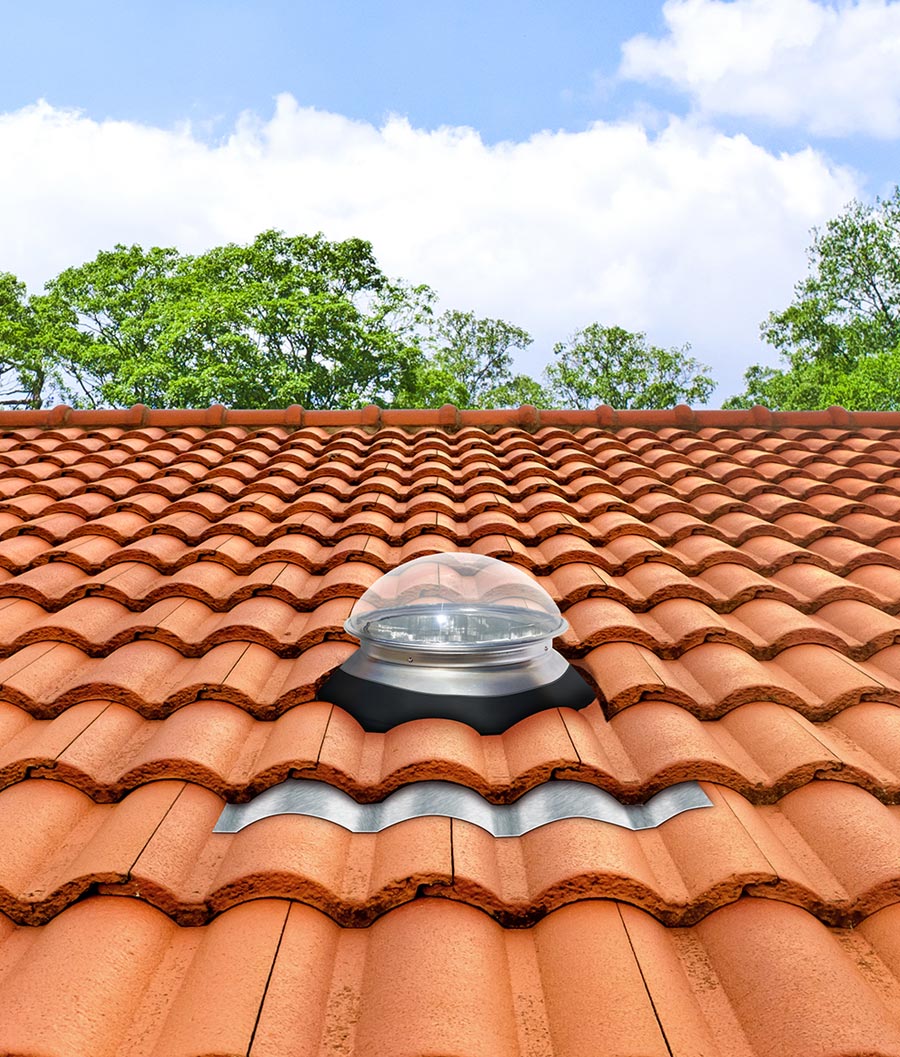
{"x": 839, "y": 338}
{"x": 297, "y": 320}
{"x": 315, "y": 323}
{"x": 301, "y": 320}
{"x": 467, "y": 361}
{"x": 279, "y": 321}
{"x": 872, "y": 384}
{"x": 21, "y": 377}
{"x": 120, "y": 306}
{"x": 610, "y": 365}
{"x": 32, "y": 331}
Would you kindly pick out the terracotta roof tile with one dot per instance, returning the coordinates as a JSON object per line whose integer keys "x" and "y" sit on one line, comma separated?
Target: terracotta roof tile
{"x": 436, "y": 977}
{"x": 762, "y": 750}
{"x": 833, "y": 850}
{"x": 173, "y": 587}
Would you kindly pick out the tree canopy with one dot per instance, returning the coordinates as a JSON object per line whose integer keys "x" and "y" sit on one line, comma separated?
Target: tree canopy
{"x": 282, "y": 320}
{"x": 22, "y": 372}
{"x": 297, "y": 320}
{"x": 614, "y": 366}
{"x": 469, "y": 363}
{"x": 839, "y": 339}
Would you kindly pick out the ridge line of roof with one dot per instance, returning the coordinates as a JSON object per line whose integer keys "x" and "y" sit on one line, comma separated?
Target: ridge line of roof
{"x": 451, "y": 418}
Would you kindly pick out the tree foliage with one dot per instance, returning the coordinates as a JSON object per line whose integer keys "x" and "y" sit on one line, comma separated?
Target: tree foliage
{"x": 468, "y": 362}
{"x": 873, "y": 383}
{"x": 839, "y": 337}
{"x": 609, "y": 365}
{"x": 119, "y": 306}
{"x": 30, "y": 332}
{"x": 282, "y": 320}
{"x": 296, "y": 320}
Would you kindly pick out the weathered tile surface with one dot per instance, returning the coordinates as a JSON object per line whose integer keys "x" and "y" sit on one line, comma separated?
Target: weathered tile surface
{"x": 173, "y": 587}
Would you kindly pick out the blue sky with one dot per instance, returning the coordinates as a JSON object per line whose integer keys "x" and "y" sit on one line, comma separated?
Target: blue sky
{"x": 656, "y": 166}
{"x": 506, "y": 68}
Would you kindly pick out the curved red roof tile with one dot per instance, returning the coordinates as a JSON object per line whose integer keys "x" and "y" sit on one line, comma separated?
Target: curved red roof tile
{"x": 173, "y": 586}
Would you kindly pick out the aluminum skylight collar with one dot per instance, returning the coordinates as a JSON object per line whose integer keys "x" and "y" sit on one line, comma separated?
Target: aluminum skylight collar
{"x": 470, "y": 676}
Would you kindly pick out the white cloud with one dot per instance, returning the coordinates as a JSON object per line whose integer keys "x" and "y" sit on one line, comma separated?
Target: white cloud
{"x": 688, "y": 234}
{"x": 832, "y": 68}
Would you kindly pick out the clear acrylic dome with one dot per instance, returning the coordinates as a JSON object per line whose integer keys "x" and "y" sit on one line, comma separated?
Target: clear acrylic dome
{"x": 455, "y": 601}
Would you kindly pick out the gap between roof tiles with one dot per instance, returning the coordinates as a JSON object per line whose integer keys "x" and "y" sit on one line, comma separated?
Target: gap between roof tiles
{"x": 322, "y": 739}
{"x": 78, "y": 734}
{"x": 562, "y": 719}
{"x": 156, "y": 829}
{"x": 740, "y": 822}
{"x": 265, "y": 990}
{"x": 644, "y": 983}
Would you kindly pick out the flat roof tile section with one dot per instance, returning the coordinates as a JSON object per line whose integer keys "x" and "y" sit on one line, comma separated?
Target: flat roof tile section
{"x": 173, "y": 588}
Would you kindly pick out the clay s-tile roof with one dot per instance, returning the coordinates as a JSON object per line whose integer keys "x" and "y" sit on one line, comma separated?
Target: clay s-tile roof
{"x": 173, "y": 587}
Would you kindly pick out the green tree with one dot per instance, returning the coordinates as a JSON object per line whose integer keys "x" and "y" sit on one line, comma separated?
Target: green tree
{"x": 22, "y": 372}
{"x": 615, "y": 366}
{"x": 122, "y": 305}
{"x": 838, "y": 339}
{"x": 468, "y": 362}
{"x": 32, "y": 333}
{"x": 316, "y": 322}
{"x": 297, "y": 319}
{"x": 279, "y": 321}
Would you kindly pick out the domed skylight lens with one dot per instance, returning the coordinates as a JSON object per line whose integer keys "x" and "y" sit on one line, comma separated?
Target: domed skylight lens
{"x": 455, "y": 636}
{"x": 455, "y": 602}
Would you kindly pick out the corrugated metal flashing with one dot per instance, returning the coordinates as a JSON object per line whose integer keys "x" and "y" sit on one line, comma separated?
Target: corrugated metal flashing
{"x": 547, "y": 803}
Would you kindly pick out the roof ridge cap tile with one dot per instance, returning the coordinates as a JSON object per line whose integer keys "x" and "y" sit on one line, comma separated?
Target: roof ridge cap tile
{"x": 451, "y": 418}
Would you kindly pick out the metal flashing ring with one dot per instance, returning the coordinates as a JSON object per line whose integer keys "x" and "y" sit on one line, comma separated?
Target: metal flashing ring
{"x": 551, "y": 802}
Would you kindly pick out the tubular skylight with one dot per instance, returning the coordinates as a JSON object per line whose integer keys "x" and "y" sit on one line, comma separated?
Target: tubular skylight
{"x": 455, "y": 636}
